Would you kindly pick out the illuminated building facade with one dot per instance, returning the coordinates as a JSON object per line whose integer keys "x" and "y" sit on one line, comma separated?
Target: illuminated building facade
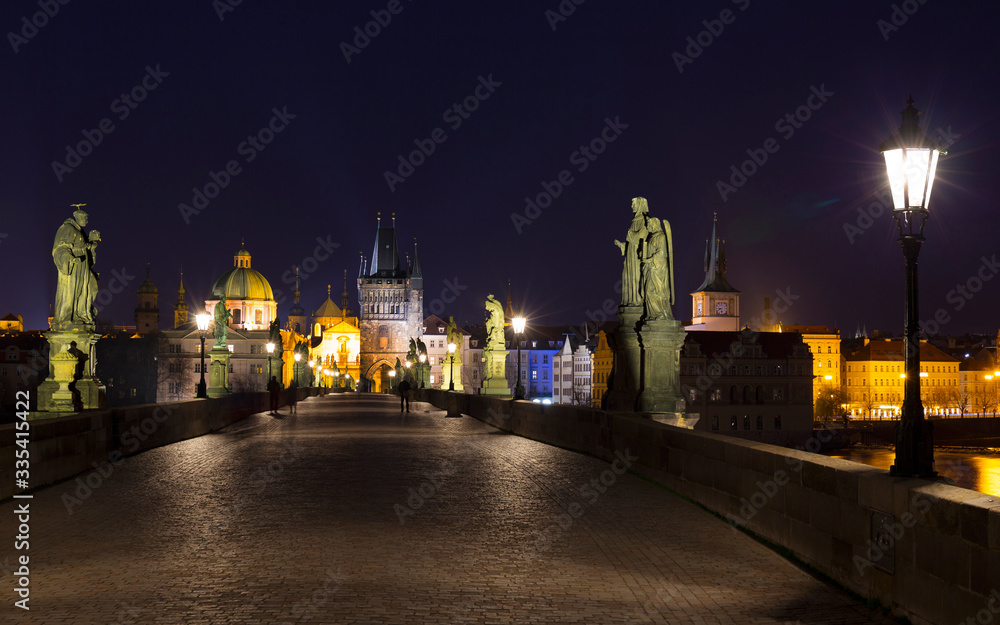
{"x": 874, "y": 375}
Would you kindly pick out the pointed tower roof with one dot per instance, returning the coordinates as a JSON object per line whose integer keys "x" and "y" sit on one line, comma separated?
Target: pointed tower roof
{"x": 345, "y": 311}
{"x": 181, "y": 303}
{"x": 715, "y": 263}
{"x": 296, "y": 310}
{"x": 328, "y": 309}
{"x": 385, "y": 254}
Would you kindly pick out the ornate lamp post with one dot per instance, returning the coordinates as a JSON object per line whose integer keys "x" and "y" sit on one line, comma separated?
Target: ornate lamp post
{"x": 451, "y": 373}
{"x": 295, "y": 371}
{"x": 203, "y": 322}
{"x": 392, "y": 376}
{"x": 312, "y": 370}
{"x": 518, "y": 331}
{"x": 423, "y": 361}
{"x": 407, "y": 365}
{"x": 911, "y": 160}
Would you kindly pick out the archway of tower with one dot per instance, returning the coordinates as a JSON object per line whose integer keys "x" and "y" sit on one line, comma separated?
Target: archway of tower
{"x": 378, "y": 376}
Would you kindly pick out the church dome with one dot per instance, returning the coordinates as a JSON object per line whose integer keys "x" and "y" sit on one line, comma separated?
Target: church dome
{"x": 147, "y": 285}
{"x": 241, "y": 282}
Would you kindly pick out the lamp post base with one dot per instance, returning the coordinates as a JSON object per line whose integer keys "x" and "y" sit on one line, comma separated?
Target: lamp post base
{"x": 914, "y": 450}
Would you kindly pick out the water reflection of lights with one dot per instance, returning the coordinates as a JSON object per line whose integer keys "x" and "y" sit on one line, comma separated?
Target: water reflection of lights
{"x": 978, "y": 470}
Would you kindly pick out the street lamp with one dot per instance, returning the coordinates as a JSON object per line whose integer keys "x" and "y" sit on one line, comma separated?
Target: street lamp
{"x": 295, "y": 371}
{"x": 392, "y": 376}
{"x": 911, "y": 160}
{"x": 312, "y": 371}
{"x": 451, "y": 372}
{"x": 518, "y": 331}
{"x": 423, "y": 359}
{"x": 270, "y": 350}
{"x": 203, "y": 321}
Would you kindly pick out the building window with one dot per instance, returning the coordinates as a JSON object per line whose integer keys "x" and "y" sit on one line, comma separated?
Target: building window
{"x": 237, "y": 315}
{"x": 777, "y": 422}
{"x": 777, "y": 394}
{"x": 173, "y": 388}
{"x": 715, "y": 422}
{"x": 716, "y": 394}
{"x": 760, "y": 422}
{"x": 746, "y": 422}
{"x": 534, "y": 375}
{"x": 691, "y": 394}
{"x": 545, "y": 359}
{"x": 732, "y": 423}
{"x": 259, "y": 317}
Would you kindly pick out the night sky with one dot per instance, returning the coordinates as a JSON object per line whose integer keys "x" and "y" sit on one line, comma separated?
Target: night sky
{"x": 551, "y": 86}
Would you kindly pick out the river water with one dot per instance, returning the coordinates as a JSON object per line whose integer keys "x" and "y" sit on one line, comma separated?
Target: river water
{"x": 976, "y": 470}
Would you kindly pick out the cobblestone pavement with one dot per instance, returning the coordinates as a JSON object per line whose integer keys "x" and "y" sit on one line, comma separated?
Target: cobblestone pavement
{"x": 351, "y": 513}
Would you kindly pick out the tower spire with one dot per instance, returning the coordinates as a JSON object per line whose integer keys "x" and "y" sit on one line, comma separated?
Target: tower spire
{"x": 297, "y": 296}
{"x": 343, "y": 296}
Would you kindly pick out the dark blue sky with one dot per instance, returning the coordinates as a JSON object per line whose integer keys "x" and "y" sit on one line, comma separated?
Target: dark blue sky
{"x": 551, "y": 91}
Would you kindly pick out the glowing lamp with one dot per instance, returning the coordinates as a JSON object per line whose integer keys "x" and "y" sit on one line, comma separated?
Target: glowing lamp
{"x": 911, "y": 161}
{"x": 203, "y": 321}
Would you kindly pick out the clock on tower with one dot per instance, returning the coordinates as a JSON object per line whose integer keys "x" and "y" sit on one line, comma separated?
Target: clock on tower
{"x": 721, "y": 308}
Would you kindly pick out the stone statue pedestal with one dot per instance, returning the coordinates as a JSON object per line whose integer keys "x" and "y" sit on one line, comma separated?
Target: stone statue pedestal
{"x": 495, "y": 373}
{"x": 71, "y": 385}
{"x": 626, "y": 376}
{"x": 218, "y": 371}
{"x": 661, "y": 346}
{"x": 446, "y": 365}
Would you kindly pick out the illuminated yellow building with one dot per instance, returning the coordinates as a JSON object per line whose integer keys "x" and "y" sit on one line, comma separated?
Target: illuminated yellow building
{"x": 978, "y": 386}
{"x": 874, "y": 377}
{"x": 336, "y": 342}
{"x": 11, "y": 324}
{"x": 825, "y": 348}
{"x": 603, "y": 359}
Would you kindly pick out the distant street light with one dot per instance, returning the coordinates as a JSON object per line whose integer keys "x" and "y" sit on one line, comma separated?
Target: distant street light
{"x": 392, "y": 376}
{"x": 295, "y": 370}
{"x": 270, "y": 350}
{"x": 423, "y": 361}
{"x": 451, "y": 374}
{"x": 312, "y": 372}
{"x": 203, "y": 320}
{"x": 911, "y": 161}
{"x": 518, "y": 332}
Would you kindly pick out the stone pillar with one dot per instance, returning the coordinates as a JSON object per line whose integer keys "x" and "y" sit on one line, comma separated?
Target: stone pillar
{"x": 71, "y": 385}
{"x": 495, "y": 373}
{"x": 661, "y": 341}
{"x": 446, "y": 366}
{"x": 218, "y": 371}
{"x": 626, "y": 372}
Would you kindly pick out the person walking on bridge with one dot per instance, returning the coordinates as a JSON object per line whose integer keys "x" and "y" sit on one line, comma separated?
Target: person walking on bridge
{"x": 404, "y": 395}
{"x": 274, "y": 389}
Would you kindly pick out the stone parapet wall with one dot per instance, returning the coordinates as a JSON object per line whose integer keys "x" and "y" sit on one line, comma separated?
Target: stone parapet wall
{"x": 945, "y": 541}
{"x": 62, "y": 447}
